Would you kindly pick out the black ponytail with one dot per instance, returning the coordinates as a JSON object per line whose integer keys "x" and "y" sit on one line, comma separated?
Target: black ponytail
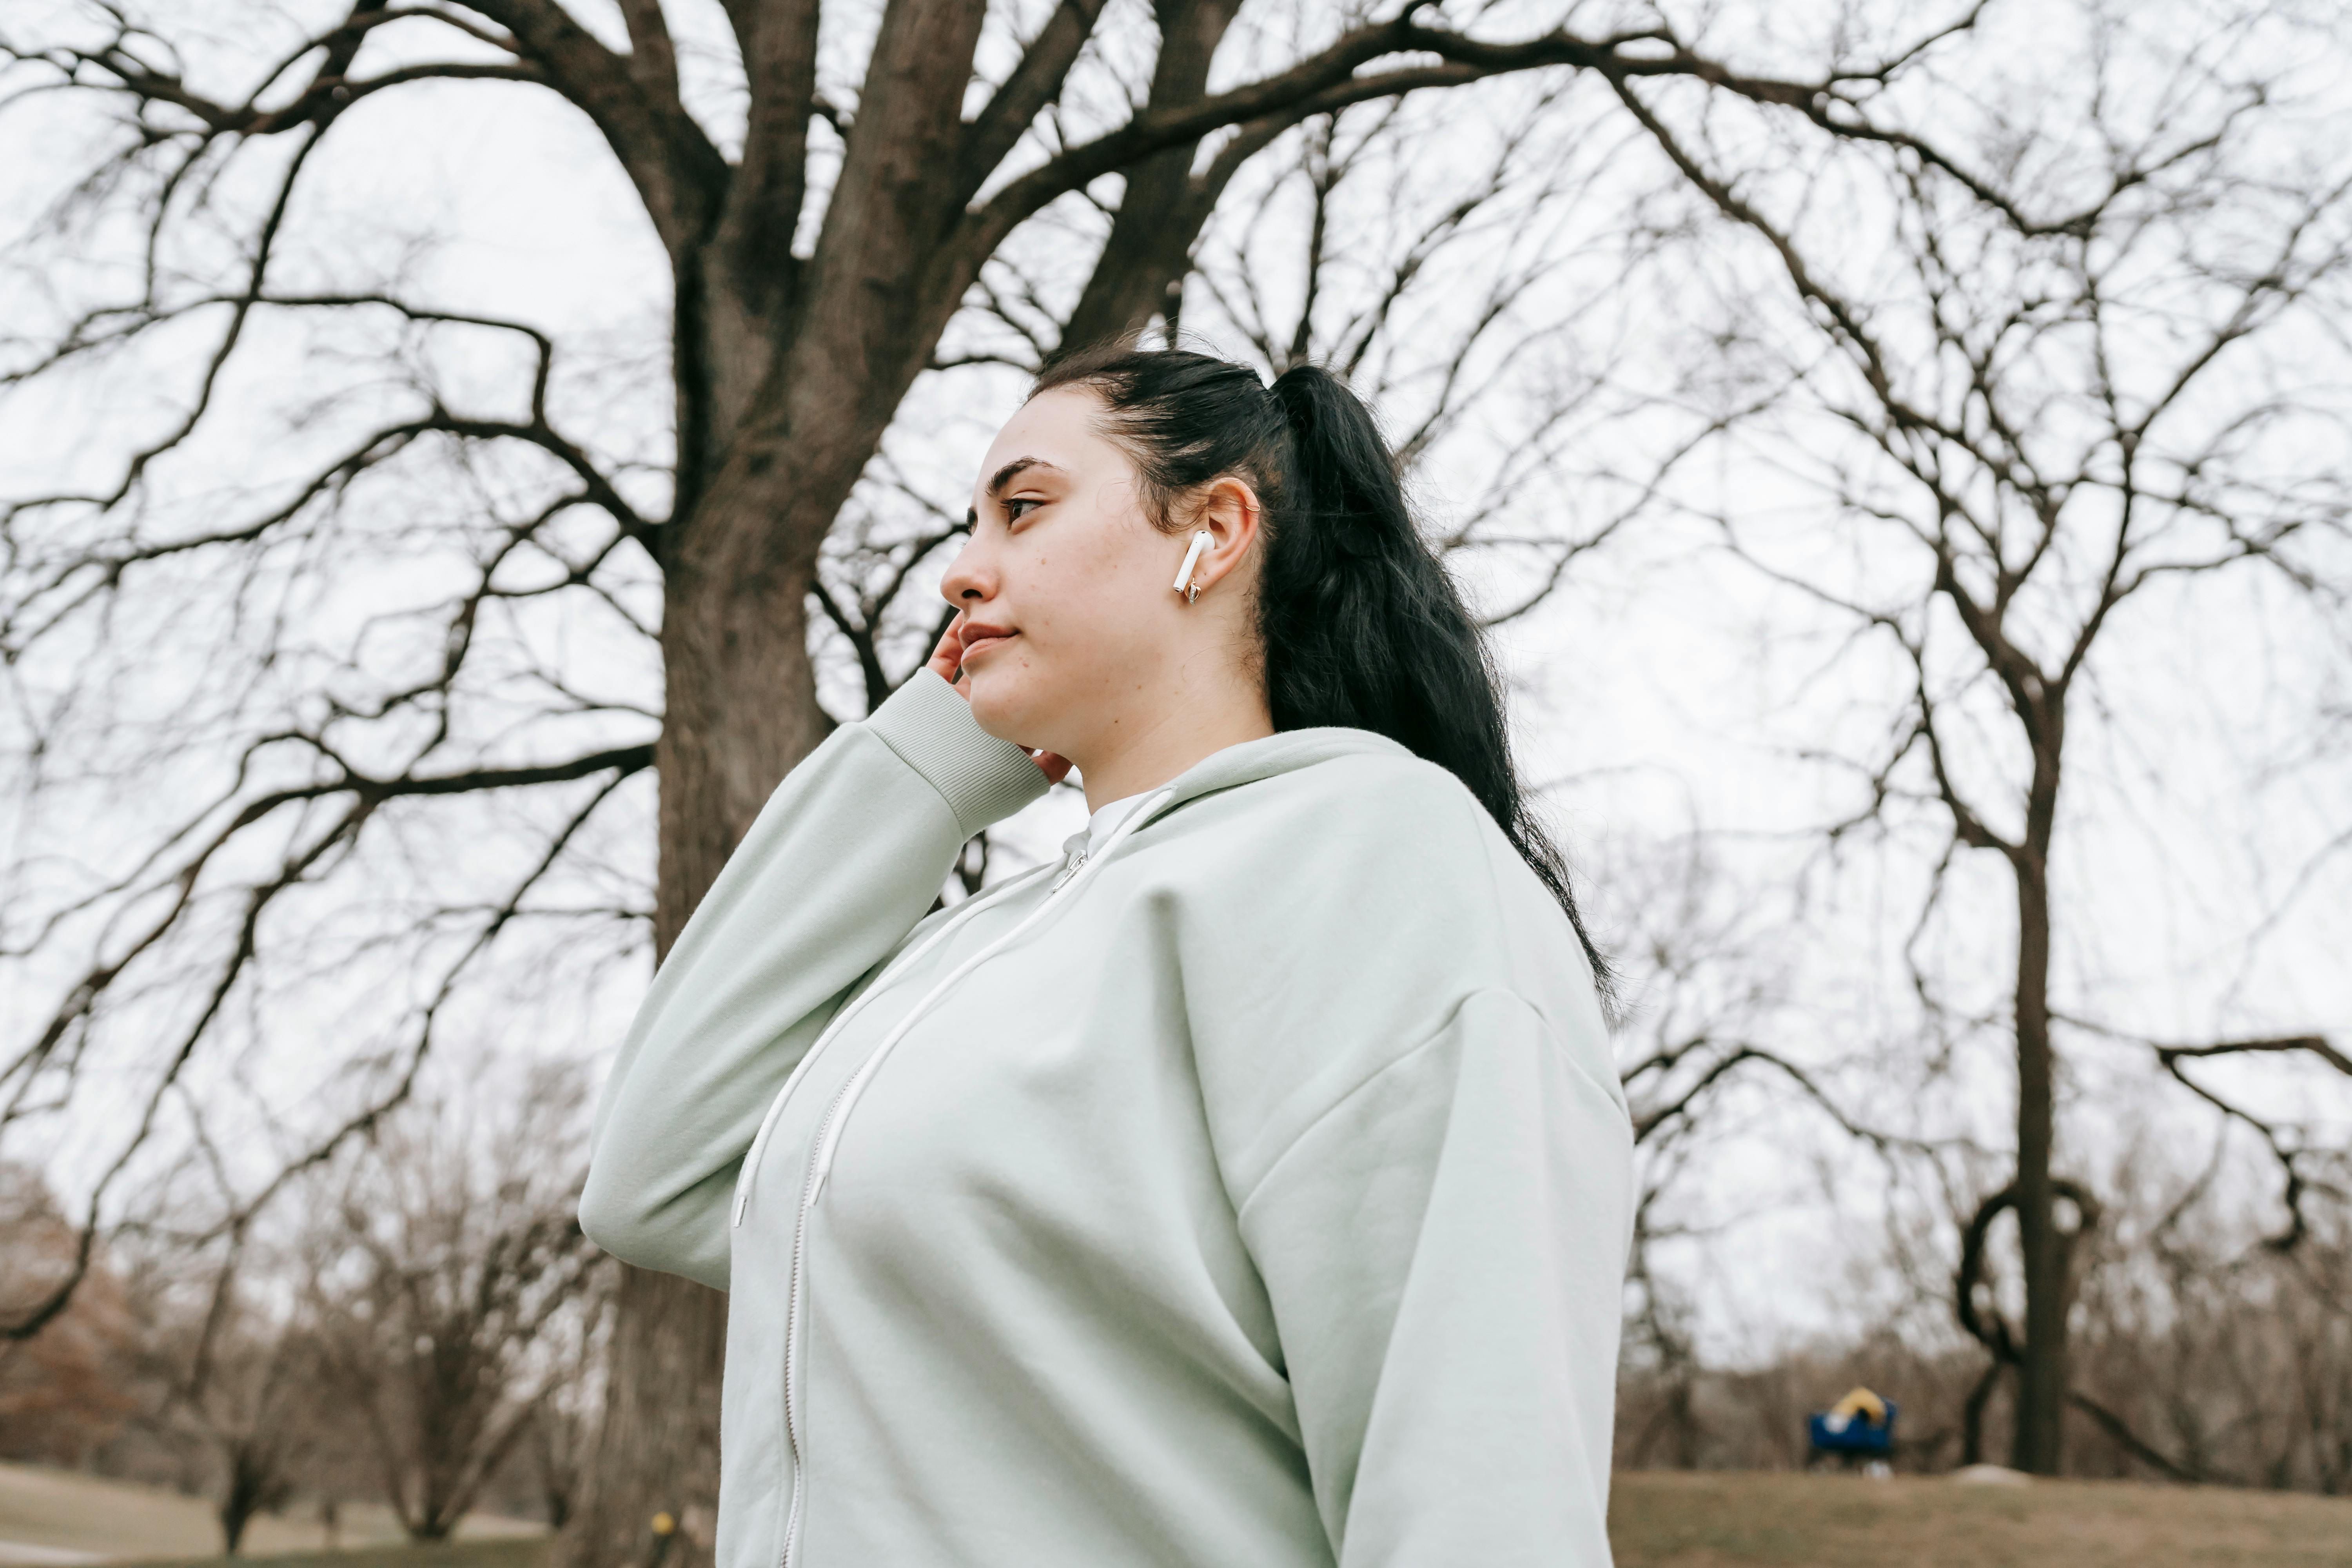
{"x": 1360, "y": 623}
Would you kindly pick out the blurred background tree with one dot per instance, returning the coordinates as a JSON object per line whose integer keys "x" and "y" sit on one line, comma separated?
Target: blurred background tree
{"x": 456, "y": 1297}
{"x": 2048, "y": 426}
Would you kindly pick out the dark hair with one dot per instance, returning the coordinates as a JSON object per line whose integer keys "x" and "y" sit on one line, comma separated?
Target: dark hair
{"x": 1358, "y": 622}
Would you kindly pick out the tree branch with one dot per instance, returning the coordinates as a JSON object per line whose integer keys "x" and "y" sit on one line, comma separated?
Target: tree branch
{"x": 1329, "y": 81}
{"x": 1035, "y": 83}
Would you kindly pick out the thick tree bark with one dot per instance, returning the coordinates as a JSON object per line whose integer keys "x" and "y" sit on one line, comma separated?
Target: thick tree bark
{"x": 658, "y": 1450}
{"x": 1144, "y": 261}
{"x": 741, "y": 710}
{"x": 739, "y": 691}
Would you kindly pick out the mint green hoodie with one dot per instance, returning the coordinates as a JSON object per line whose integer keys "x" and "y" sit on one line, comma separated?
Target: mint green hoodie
{"x": 1251, "y": 1192}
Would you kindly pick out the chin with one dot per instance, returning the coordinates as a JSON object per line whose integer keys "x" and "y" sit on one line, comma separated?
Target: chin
{"x": 1000, "y": 712}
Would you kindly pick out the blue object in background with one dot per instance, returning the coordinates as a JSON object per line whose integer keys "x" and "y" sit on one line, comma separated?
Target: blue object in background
{"x": 1837, "y": 1433}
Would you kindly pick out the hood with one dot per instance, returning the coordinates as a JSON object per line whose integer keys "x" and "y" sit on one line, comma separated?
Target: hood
{"x": 1286, "y": 751}
{"x": 1246, "y": 762}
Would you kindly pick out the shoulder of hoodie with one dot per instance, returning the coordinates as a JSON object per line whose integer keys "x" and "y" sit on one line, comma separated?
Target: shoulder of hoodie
{"x": 1383, "y": 836}
{"x": 1383, "y": 812}
{"x": 1389, "y": 786}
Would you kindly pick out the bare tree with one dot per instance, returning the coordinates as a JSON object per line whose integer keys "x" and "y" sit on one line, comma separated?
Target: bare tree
{"x": 238, "y": 1366}
{"x": 2194, "y": 1356}
{"x": 2033, "y": 418}
{"x": 1714, "y": 1060}
{"x": 249, "y": 1415}
{"x": 562, "y": 1439}
{"x": 824, "y": 226}
{"x": 455, "y": 1293}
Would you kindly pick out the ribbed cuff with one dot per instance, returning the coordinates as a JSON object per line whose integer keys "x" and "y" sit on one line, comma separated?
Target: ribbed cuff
{"x": 983, "y": 780}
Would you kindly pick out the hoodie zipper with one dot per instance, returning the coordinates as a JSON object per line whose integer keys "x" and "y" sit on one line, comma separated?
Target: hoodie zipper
{"x": 837, "y": 1115}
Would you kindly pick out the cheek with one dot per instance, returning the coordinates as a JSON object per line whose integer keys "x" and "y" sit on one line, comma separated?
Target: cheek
{"x": 1081, "y": 601}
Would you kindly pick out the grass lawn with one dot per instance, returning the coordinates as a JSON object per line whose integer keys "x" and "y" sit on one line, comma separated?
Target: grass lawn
{"x": 54, "y": 1519}
{"x": 510, "y": 1551}
{"x": 1658, "y": 1519}
{"x": 1664, "y": 1520}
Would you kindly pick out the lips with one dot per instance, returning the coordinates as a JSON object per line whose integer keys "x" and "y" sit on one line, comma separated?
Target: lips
{"x": 978, "y": 637}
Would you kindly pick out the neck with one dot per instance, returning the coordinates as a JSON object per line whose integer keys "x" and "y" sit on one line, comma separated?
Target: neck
{"x": 1144, "y": 751}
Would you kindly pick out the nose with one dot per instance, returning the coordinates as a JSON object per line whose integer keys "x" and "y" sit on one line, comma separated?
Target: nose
{"x": 971, "y": 577}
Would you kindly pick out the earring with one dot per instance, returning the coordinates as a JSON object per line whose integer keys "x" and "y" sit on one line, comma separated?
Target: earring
{"x": 1190, "y": 590}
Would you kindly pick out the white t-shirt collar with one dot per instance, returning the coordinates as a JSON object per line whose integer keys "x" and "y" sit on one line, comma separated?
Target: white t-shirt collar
{"x": 1106, "y": 818}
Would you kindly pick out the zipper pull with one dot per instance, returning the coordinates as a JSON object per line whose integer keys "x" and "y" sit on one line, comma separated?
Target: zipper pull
{"x": 1069, "y": 871}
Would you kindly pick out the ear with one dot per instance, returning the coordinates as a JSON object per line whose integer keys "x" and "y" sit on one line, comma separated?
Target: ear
{"x": 1229, "y": 509}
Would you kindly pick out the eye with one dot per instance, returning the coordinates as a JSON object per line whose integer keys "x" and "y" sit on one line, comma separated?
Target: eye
{"x": 1013, "y": 512}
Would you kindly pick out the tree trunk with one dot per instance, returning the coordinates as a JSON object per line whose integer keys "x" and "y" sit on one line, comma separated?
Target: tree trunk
{"x": 255, "y": 1483}
{"x": 741, "y": 708}
{"x": 1972, "y": 1413}
{"x": 236, "y": 1512}
{"x": 2041, "y": 1364}
{"x": 1149, "y": 251}
{"x": 657, "y": 1448}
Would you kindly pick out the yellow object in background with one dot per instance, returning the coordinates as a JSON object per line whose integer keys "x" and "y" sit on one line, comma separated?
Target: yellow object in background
{"x": 1861, "y": 1402}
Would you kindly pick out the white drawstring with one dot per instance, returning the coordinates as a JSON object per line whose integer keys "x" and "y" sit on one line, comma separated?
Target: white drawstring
{"x": 837, "y": 1116}
{"x": 743, "y": 1182}
{"x": 857, "y": 1084}
{"x": 768, "y": 1122}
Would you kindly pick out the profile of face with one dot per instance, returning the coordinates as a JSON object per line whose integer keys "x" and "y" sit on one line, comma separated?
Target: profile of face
{"x": 1074, "y": 639}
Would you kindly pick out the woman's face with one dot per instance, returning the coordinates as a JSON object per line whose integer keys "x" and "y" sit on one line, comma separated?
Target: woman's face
{"x": 1072, "y": 634}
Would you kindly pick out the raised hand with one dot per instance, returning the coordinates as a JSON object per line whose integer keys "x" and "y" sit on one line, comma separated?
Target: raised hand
{"x": 947, "y": 659}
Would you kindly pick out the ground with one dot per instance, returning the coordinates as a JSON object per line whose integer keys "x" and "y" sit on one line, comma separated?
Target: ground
{"x": 1659, "y": 1520}
{"x": 55, "y": 1518}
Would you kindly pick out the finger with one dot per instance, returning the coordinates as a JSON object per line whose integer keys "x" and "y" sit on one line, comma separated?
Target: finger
{"x": 947, "y": 656}
{"x": 1057, "y": 767}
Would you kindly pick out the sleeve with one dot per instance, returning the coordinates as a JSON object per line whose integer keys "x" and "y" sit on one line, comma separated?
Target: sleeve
{"x": 1445, "y": 1250}
{"x": 842, "y": 863}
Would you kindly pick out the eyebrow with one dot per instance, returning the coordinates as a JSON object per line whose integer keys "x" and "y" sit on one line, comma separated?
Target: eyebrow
{"x": 1005, "y": 476}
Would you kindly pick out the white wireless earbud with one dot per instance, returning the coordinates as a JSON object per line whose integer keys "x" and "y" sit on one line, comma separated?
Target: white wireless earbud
{"x": 1201, "y": 541}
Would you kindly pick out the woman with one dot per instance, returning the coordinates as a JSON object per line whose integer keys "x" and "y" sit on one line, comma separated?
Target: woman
{"x": 1249, "y": 1187}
